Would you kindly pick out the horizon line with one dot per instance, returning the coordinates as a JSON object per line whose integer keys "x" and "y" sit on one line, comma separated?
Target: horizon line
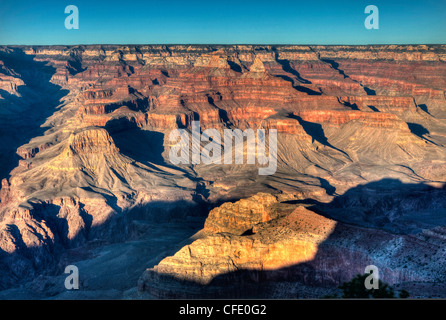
{"x": 220, "y": 44}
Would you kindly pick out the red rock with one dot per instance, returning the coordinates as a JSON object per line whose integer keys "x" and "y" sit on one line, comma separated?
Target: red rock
{"x": 345, "y": 115}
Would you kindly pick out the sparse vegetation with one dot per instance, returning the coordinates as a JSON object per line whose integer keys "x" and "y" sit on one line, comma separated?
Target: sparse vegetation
{"x": 355, "y": 289}
{"x": 404, "y": 294}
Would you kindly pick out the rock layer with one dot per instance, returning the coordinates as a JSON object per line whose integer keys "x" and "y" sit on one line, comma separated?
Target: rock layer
{"x": 84, "y": 135}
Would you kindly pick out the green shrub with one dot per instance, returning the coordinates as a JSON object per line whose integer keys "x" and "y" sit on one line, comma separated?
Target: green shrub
{"x": 357, "y": 290}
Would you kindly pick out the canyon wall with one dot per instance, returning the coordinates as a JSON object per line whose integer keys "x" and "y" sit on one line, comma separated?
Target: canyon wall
{"x": 85, "y": 148}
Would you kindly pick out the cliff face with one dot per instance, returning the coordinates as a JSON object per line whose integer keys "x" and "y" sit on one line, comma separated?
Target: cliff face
{"x": 84, "y": 140}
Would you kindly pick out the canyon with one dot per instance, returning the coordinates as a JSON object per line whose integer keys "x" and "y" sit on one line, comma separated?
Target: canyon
{"x": 86, "y": 177}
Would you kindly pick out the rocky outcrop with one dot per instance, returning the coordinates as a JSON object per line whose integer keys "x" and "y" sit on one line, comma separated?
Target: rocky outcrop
{"x": 272, "y": 239}
{"x": 241, "y": 216}
{"x": 297, "y": 247}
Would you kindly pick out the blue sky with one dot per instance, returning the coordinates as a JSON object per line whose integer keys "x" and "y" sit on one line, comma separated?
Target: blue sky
{"x": 222, "y": 22}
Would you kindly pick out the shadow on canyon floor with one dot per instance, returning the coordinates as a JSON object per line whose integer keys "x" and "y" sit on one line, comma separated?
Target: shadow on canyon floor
{"x": 147, "y": 147}
{"x": 373, "y": 215}
{"x": 387, "y": 204}
{"x": 335, "y": 66}
{"x": 286, "y": 66}
{"x": 162, "y": 226}
{"x": 142, "y": 145}
{"x": 316, "y": 132}
{"x": 39, "y": 98}
{"x": 420, "y": 131}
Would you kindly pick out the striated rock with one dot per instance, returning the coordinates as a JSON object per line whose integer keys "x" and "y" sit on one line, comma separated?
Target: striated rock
{"x": 257, "y": 66}
{"x": 91, "y": 140}
{"x": 84, "y": 139}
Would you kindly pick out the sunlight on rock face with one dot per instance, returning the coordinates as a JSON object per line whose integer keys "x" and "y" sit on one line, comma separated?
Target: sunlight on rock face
{"x": 284, "y": 240}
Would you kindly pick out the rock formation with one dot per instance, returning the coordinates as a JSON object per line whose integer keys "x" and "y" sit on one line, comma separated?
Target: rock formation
{"x": 288, "y": 248}
{"x": 84, "y": 151}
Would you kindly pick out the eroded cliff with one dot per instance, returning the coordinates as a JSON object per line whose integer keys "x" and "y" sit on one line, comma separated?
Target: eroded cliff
{"x": 85, "y": 144}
